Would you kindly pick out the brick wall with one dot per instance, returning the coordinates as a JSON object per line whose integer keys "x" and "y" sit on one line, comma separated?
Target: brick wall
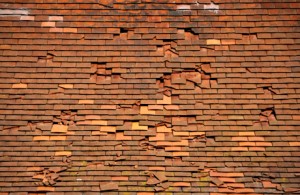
{"x": 144, "y": 97}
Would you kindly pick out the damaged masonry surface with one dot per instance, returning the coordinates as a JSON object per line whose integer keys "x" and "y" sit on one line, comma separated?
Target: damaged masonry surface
{"x": 149, "y": 97}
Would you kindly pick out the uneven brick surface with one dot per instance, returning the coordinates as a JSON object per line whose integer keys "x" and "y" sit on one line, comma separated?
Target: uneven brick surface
{"x": 149, "y": 96}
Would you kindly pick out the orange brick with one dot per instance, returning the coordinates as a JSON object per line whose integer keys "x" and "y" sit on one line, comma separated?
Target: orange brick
{"x": 181, "y": 153}
{"x": 56, "y": 18}
{"x": 58, "y": 138}
{"x": 155, "y": 107}
{"x": 56, "y": 29}
{"x": 119, "y": 178}
{"x": 181, "y": 184}
{"x": 166, "y": 143}
{"x": 108, "y": 107}
{"x": 163, "y": 129}
{"x": 145, "y": 193}
{"x": 158, "y": 137}
{"x": 66, "y": 86}
{"x": 48, "y": 24}
{"x": 294, "y": 143}
{"x": 239, "y": 149}
{"x": 181, "y": 133}
{"x": 247, "y": 144}
{"x": 121, "y": 136}
{"x": 63, "y": 153}
{"x": 257, "y": 149}
{"x": 223, "y": 174}
{"x": 98, "y": 122}
{"x": 19, "y": 86}
{"x": 40, "y": 138}
{"x": 256, "y": 139}
{"x": 198, "y": 133}
{"x": 171, "y": 107}
{"x": 34, "y": 169}
{"x": 144, "y": 110}
{"x": 156, "y": 168}
{"x": 268, "y": 184}
{"x": 86, "y": 102}
{"x": 70, "y": 30}
{"x": 59, "y": 129}
{"x": 213, "y": 42}
{"x": 136, "y": 126}
{"x": 228, "y": 42}
{"x": 239, "y": 139}
{"x": 263, "y": 143}
{"x": 165, "y": 100}
{"x": 29, "y": 18}
{"x": 173, "y": 148}
{"x": 45, "y": 189}
{"x": 246, "y": 133}
{"x": 108, "y": 128}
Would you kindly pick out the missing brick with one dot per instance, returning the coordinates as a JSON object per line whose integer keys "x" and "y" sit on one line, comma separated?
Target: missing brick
{"x": 190, "y": 30}
{"x": 124, "y": 30}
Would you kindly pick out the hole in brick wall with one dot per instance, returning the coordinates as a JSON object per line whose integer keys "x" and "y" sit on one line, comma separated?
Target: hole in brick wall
{"x": 124, "y": 30}
{"x": 164, "y": 84}
{"x": 190, "y": 30}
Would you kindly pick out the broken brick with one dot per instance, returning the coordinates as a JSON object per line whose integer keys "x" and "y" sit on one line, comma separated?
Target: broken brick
{"x": 109, "y": 187}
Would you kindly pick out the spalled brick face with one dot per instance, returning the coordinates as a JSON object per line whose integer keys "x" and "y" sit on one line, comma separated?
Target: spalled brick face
{"x": 143, "y": 97}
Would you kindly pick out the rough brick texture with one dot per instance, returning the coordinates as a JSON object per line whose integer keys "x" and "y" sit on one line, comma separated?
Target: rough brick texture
{"x": 149, "y": 96}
